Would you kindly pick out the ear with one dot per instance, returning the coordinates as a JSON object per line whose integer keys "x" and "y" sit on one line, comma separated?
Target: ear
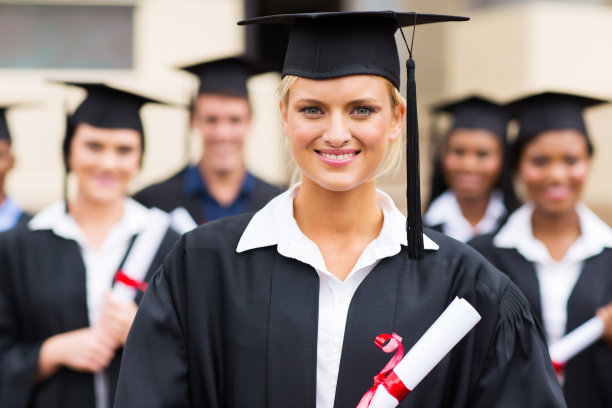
{"x": 283, "y": 116}
{"x": 397, "y": 122}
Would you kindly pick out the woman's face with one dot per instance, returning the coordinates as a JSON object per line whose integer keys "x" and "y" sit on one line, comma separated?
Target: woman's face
{"x": 554, "y": 167}
{"x": 472, "y": 162}
{"x": 104, "y": 161}
{"x": 339, "y": 129}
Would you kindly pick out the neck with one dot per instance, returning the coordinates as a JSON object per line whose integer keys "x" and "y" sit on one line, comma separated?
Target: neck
{"x": 320, "y": 212}
{"x": 558, "y": 231}
{"x": 547, "y": 223}
{"x": 223, "y": 186}
{"x": 95, "y": 219}
{"x": 473, "y": 209}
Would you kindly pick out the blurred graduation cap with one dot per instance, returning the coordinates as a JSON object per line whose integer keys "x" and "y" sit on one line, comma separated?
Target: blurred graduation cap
{"x": 551, "y": 111}
{"x": 476, "y": 112}
{"x": 335, "y": 44}
{"x": 227, "y": 75}
{"x": 105, "y": 107}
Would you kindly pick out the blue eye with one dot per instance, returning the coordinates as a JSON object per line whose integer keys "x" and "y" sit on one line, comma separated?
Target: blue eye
{"x": 311, "y": 111}
{"x": 363, "y": 110}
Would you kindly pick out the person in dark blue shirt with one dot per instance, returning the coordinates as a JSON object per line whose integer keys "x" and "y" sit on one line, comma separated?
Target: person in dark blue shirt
{"x": 219, "y": 185}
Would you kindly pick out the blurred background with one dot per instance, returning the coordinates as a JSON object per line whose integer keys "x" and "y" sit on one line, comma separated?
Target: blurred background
{"x": 510, "y": 48}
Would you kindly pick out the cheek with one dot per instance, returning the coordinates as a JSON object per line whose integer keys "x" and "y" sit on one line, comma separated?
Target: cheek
{"x": 491, "y": 166}
{"x": 530, "y": 175}
{"x": 450, "y": 163}
{"x": 579, "y": 172}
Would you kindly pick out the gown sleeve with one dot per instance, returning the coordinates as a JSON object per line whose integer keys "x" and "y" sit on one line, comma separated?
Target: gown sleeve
{"x": 517, "y": 370}
{"x": 18, "y": 359}
{"x": 154, "y": 365}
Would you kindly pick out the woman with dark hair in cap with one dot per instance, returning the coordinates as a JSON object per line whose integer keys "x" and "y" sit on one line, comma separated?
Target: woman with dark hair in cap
{"x": 11, "y": 214}
{"x": 554, "y": 248}
{"x": 281, "y": 308}
{"x": 471, "y": 189}
{"x": 61, "y": 331}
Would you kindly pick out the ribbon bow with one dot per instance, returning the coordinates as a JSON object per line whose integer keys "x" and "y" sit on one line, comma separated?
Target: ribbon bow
{"x": 387, "y": 343}
{"x": 120, "y": 276}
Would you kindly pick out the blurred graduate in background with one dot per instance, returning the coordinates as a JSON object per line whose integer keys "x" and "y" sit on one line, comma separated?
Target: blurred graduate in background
{"x": 219, "y": 185}
{"x": 553, "y": 247}
{"x": 471, "y": 187}
{"x": 61, "y": 332}
{"x": 10, "y": 212}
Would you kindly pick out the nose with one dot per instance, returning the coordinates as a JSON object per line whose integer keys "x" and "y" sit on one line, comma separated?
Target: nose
{"x": 337, "y": 133}
{"x": 557, "y": 172}
{"x": 109, "y": 160}
{"x": 469, "y": 162}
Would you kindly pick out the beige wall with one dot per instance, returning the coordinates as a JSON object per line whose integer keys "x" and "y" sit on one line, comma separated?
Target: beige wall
{"x": 168, "y": 33}
{"x": 503, "y": 52}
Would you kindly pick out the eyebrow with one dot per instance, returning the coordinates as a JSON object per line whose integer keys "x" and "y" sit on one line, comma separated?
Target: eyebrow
{"x": 360, "y": 101}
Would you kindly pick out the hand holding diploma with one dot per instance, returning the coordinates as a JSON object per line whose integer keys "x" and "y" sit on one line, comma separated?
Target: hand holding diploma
{"x": 454, "y": 323}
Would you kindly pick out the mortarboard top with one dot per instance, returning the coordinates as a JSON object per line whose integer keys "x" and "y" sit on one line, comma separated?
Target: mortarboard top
{"x": 109, "y": 107}
{"x": 227, "y": 75}
{"x": 329, "y": 45}
{"x": 336, "y": 44}
{"x": 551, "y": 111}
{"x": 476, "y": 112}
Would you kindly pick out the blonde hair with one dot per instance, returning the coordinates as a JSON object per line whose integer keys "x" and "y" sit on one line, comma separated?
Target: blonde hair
{"x": 393, "y": 158}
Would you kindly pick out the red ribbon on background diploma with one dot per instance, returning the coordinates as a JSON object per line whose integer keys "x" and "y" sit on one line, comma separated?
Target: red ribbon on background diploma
{"x": 120, "y": 276}
{"x": 386, "y": 377}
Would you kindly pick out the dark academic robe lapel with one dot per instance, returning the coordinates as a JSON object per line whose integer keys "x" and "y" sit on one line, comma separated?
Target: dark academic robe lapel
{"x": 292, "y": 335}
{"x": 589, "y": 374}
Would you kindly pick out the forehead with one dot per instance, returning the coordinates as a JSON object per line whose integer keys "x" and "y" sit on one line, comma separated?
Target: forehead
{"x": 475, "y": 137}
{"x": 220, "y": 103}
{"x": 341, "y": 89}
{"x": 557, "y": 141}
{"x": 89, "y": 132}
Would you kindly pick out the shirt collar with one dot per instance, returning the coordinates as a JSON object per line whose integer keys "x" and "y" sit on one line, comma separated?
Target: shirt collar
{"x": 54, "y": 217}
{"x": 517, "y": 233}
{"x": 9, "y": 213}
{"x": 274, "y": 225}
{"x": 195, "y": 185}
{"x": 445, "y": 210}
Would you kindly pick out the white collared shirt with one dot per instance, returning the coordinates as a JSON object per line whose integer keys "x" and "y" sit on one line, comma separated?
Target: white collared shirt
{"x": 9, "y": 214}
{"x": 101, "y": 263}
{"x": 556, "y": 278}
{"x": 275, "y": 225}
{"x": 445, "y": 210}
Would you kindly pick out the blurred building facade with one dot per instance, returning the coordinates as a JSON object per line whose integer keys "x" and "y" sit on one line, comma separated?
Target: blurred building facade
{"x": 509, "y": 48}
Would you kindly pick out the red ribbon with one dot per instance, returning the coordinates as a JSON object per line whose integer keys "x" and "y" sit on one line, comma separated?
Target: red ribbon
{"x": 387, "y": 377}
{"x": 120, "y": 276}
{"x": 559, "y": 367}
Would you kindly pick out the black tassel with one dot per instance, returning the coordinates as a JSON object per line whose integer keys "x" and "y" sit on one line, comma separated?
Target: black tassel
{"x": 414, "y": 223}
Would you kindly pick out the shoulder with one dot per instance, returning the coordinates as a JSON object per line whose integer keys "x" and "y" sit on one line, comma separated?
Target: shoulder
{"x": 222, "y": 234}
{"x": 467, "y": 269}
{"x": 173, "y": 182}
{"x": 264, "y": 187}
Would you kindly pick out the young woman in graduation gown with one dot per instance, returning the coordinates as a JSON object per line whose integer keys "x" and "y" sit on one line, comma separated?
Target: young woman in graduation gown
{"x": 554, "y": 248}
{"x": 281, "y": 308}
{"x": 471, "y": 187}
{"x": 61, "y": 333}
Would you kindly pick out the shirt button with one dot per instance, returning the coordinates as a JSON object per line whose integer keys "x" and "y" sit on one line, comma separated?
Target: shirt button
{"x": 339, "y": 348}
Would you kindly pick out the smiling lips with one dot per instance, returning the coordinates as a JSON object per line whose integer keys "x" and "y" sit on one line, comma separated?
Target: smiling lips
{"x": 337, "y": 157}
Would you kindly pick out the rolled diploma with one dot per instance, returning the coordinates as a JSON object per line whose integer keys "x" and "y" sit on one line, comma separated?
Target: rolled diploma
{"x": 181, "y": 220}
{"x": 452, "y": 325}
{"x": 576, "y": 340}
{"x": 142, "y": 253}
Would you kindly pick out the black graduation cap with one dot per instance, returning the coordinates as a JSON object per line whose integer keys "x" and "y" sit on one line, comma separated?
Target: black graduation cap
{"x": 475, "y": 112}
{"x": 551, "y": 111}
{"x": 331, "y": 45}
{"x": 227, "y": 75}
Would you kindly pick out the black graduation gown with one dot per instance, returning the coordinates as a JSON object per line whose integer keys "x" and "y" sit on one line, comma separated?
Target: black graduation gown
{"x": 588, "y": 376}
{"x": 42, "y": 293}
{"x": 170, "y": 194}
{"x": 240, "y": 330}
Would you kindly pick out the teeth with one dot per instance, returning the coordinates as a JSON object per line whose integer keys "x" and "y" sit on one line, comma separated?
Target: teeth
{"x": 338, "y": 156}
